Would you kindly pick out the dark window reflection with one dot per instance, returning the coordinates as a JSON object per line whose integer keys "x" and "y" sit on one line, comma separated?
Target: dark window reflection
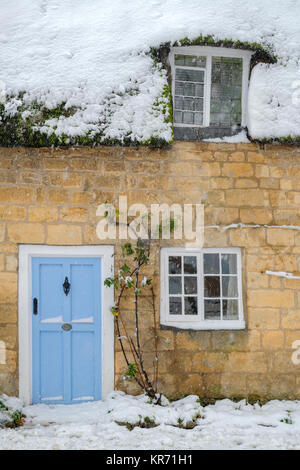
{"x": 190, "y": 305}
{"x": 190, "y": 265}
{"x": 175, "y": 306}
{"x": 212, "y": 309}
{"x": 211, "y": 286}
{"x": 175, "y": 264}
{"x": 190, "y": 285}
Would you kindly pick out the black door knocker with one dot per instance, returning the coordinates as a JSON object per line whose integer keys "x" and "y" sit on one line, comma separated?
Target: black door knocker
{"x": 66, "y": 286}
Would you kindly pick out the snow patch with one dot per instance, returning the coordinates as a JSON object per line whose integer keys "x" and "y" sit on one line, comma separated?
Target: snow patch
{"x": 241, "y": 137}
{"x": 224, "y": 425}
{"x": 94, "y": 57}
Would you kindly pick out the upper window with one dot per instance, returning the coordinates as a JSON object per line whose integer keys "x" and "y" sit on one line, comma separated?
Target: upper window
{"x": 201, "y": 289}
{"x": 209, "y": 86}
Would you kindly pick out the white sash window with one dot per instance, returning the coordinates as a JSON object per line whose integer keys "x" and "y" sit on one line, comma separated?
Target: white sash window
{"x": 201, "y": 289}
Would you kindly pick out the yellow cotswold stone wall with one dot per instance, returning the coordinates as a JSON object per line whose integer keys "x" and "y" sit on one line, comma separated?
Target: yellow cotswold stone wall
{"x": 50, "y": 196}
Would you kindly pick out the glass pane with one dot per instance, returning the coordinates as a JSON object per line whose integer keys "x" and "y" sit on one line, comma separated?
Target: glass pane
{"x": 198, "y": 118}
{"x": 175, "y": 285}
{"x": 187, "y": 75}
{"x": 211, "y": 286}
{"x": 190, "y": 305}
{"x": 236, "y": 92}
{"x": 216, "y": 91}
{"x": 211, "y": 263}
{"x": 199, "y": 90}
{"x": 178, "y": 116}
{"x": 179, "y": 59}
{"x": 198, "y": 105}
{"x": 229, "y": 263}
{"x": 236, "y": 118}
{"x": 188, "y": 103}
{"x": 190, "y": 265}
{"x": 179, "y": 102}
{"x": 175, "y": 264}
{"x": 215, "y": 106}
{"x": 236, "y": 106}
{"x": 190, "y": 60}
{"x": 179, "y": 87}
{"x": 188, "y": 117}
{"x": 194, "y": 61}
{"x": 212, "y": 310}
{"x": 225, "y": 106}
{"x": 229, "y": 286}
{"x": 190, "y": 285}
{"x": 175, "y": 305}
{"x": 189, "y": 89}
{"x": 230, "y": 310}
{"x": 226, "y": 87}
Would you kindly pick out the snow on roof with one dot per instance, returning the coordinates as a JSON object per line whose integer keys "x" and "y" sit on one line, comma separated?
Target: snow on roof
{"x": 90, "y": 60}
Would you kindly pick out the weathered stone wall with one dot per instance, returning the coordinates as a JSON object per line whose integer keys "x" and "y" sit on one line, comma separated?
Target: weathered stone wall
{"x": 50, "y": 196}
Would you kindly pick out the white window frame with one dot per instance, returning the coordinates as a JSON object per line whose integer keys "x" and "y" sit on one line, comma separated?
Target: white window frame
{"x": 210, "y": 52}
{"x": 189, "y": 321}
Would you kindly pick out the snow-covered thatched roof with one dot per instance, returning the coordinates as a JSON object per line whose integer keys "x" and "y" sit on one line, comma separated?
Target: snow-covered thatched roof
{"x": 79, "y": 71}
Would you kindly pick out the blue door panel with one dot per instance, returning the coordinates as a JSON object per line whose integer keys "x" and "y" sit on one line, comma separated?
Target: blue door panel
{"x": 66, "y": 364}
{"x": 51, "y": 372}
{"x": 83, "y": 295}
{"x": 83, "y": 380}
{"x": 50, "y": 306}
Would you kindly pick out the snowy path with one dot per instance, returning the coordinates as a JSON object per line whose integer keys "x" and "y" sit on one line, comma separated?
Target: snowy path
{"x": 225, "y": 425}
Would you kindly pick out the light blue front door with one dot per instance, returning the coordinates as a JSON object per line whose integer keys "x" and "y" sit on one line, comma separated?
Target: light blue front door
{"x": 66, "y": 329}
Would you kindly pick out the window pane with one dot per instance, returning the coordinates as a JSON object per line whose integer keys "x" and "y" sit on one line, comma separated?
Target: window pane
{"x": 230, "y": 310}
{"x": 211, "y": 263}
{"x": 226, "y": 88}
{"x": 190, "y": 265}
{"x": 179, "y": 59}
{"x": 190, "y": 305}
{"x": 236, "y": 106}
{"x": 190, "y": 285}
{"x": 198, "y": 118}
{"x": 194, "y": 61}
{"x": 188, "y": 118}
{"x": 179, "y": 102}
{"x": 199, "y": 90}
{"x": 175, "y": 264}
{"x": 179, "y": 88}
{"x": 229, "y": 286}
{"x": 175, "y": 285}
{"x": 175, "y": 305}
{"x": 178, "y": 116}
{"x": 189, "y": 89}
{"x": 212, "y": 310}
{"x": 190, "y": 60}
{"x": 215, "y": 106}
{"x": 211, "y": 286}
{"x": 188, "y": 103}
{"x": 229, "y": 263}
{"x": 198, "y": 105}
{"x": 187, "y": 75}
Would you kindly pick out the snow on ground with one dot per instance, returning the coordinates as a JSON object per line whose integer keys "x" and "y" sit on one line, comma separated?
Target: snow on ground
{"x": 225, "y": 425}
{"x": 93, "y": 56}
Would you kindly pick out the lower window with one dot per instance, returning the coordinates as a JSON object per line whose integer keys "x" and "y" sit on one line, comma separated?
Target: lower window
{"x": 201, "y": 289}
